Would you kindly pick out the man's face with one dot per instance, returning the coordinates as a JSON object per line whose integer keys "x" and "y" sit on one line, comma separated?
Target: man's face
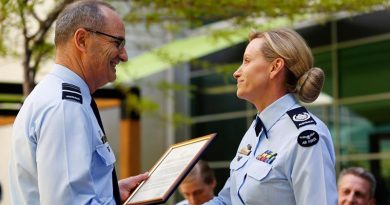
{"x": 354, "y": 190}
{"x": 104, "y": 54}
{"x": 197, "y": 192}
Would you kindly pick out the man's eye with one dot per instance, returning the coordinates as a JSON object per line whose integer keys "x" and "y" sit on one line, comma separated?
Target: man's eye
{"x": 118, "y": 43}
{"x": 346, "y": 191}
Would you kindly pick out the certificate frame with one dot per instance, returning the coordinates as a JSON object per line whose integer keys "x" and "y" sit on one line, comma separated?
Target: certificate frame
{"x": 180, "y": 158}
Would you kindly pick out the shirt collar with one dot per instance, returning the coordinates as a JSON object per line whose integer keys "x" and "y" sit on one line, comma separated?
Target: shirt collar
{"x": 272, "y": 113}
{"x": 71, "y": 77}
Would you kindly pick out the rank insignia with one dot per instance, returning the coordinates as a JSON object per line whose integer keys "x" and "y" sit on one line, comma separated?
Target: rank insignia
{"x": 72, "y": 93}
{"x": 267, "y": 157}
{"x": 301, "y": 117}
{"x": 246, "y": 150}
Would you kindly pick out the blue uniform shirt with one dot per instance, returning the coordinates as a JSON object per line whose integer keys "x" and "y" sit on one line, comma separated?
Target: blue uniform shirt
{"x": 293, "y": 162}
{"x": 184, "y": 202}
{"x": 58, "y": 156}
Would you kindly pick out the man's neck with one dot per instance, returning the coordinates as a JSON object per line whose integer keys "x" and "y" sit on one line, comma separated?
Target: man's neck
{"x": 74, "y": 64}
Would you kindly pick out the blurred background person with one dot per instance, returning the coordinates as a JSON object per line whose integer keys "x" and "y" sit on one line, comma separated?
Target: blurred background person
{"x": 198, "y": 187}
{"x": 356, "y": 186}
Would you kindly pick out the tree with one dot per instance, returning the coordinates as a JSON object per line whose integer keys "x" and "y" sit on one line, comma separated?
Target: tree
{"x": 198, "y": 12}
{"x": 238, "y": 16}
{"x": 22, "y": 17}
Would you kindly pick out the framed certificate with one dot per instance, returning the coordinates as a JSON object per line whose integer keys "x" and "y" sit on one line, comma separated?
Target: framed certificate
{"x": 169, "y": 171}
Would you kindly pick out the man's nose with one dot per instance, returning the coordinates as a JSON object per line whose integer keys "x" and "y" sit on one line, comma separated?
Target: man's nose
{"x": 351, "y": 198}
{"x": 192, "y": 200}
{"x": 123, "y": 55}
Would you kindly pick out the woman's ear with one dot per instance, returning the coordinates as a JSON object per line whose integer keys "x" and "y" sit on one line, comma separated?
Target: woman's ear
{"x": 80, "y": 38}
{"x": 277, "y": 67}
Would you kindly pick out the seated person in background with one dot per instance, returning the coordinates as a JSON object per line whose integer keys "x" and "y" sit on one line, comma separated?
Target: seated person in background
{"x": 356, "y": 186}
{"x": 198, "y": 187}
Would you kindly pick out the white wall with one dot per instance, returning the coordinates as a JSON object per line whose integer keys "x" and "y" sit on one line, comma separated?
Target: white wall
{"x": 5, "y": 139}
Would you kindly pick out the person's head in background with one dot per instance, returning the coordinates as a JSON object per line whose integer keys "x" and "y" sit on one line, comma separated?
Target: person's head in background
{"x": 198, "y": 186}
{"x": 356, "y": 186}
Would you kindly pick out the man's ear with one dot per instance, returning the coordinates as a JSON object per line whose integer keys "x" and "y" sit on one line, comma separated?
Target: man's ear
{"x": 214, "y": 184}
{"x": 80, "y": 38}
{"x": 277, "y": 67}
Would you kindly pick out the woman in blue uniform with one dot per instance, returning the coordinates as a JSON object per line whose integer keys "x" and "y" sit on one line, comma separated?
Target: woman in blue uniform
{"x": 286, "y": 156}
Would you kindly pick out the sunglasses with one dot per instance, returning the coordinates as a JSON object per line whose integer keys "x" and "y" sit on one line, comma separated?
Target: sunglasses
{"x": 120, "y": 42}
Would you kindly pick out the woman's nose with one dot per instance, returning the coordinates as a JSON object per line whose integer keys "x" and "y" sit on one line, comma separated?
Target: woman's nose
{"x": 237, "y": 73}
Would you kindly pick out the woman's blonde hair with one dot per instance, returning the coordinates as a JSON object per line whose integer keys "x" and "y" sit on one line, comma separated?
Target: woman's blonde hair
{"x": 302, "y": 78}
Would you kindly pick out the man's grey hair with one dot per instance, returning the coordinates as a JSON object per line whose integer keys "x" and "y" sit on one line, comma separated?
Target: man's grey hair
{"x": 362, "y": 173}
{"x": 81, "y": 14}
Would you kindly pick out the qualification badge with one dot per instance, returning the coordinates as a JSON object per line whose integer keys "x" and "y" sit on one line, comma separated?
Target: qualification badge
{"x": 246, "y": 150}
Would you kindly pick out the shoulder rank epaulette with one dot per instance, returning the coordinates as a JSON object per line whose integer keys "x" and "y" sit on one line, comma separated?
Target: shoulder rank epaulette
{"x": 301, "y": 117}
{"x": 72, "y": 93}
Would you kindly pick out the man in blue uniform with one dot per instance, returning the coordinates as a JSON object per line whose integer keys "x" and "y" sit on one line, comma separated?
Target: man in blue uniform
{"x": 60, "y": 154}
{"x": 286, "y": 156}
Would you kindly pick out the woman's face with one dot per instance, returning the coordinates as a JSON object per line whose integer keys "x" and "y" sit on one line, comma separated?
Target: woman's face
{"x": 253, "y": 74}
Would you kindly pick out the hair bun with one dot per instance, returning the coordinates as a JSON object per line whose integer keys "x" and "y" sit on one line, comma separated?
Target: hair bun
{"x": 310, "y": 84}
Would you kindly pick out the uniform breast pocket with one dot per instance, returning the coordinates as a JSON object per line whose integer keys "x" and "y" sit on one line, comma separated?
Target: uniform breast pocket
{"x": 106, "y": 154}
{"x": 238, "y": 162}
{"x": 259, "y": 170}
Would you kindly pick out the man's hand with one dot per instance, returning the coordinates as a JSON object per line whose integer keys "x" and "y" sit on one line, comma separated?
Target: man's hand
{"x": 126, "y": 186}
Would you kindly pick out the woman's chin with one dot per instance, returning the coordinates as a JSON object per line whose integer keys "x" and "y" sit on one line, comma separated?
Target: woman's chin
{"x": 240, "y": 95}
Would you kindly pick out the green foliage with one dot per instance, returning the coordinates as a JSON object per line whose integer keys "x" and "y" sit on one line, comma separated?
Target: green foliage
{"x": 24, "y": 29}
{"x": 200, "y": 12}
{"x": 179, "y": 119}
{"x": 6, "y": 7}
{"x": 227, "y": 70}
{"x": 145, "y": 105}
{"x": 137, "y": 104}
{"x": 165, "y": 86}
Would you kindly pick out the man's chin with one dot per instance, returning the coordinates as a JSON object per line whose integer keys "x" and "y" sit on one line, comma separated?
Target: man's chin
{"x": 112, "y": 78}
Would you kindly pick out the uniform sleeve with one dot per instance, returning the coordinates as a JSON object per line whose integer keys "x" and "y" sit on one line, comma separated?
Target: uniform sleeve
{"x": 223, "y": 197}
{"x": 64, "y": 156}
{"x": 313, "y": 175}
